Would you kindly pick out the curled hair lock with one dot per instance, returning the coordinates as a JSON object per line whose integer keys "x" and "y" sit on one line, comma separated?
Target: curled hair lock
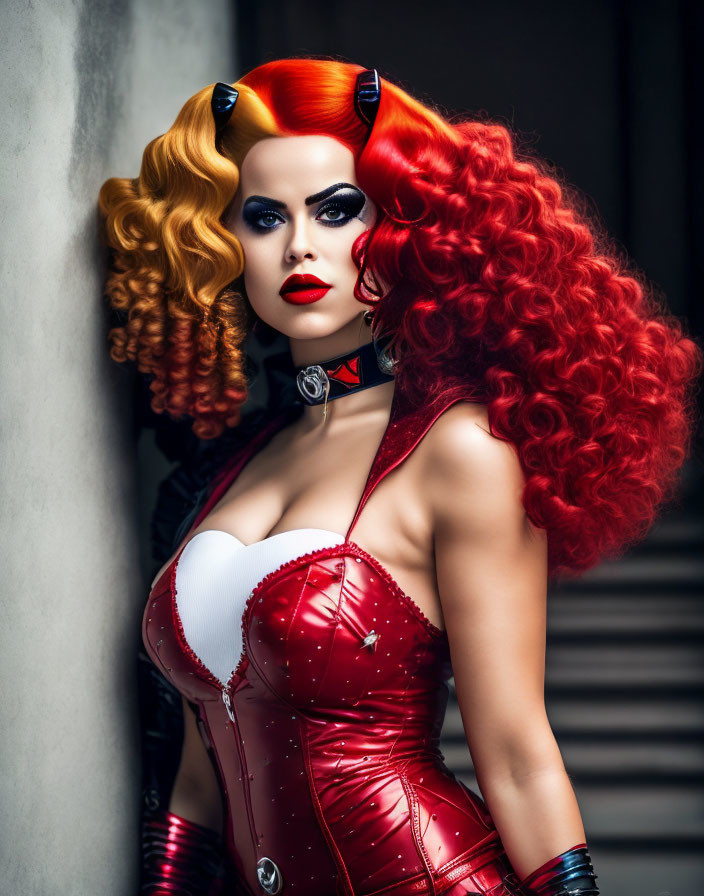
{"x": 492, "y": 278}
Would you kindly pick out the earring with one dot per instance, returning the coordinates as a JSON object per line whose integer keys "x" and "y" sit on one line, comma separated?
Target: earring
{"x": 385, "y": 362}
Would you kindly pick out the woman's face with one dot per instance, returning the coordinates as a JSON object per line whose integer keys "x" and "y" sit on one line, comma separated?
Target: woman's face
{"x": 297, "y": 212}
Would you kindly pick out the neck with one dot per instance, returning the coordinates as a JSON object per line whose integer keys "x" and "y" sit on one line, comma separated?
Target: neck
{"x": 343, "y": 408}
{"x": 347, "y": 408}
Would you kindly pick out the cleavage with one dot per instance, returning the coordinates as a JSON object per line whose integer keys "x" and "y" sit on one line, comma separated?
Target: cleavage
{"x": 315, "y": 490}
{"x": 262, "y": 487}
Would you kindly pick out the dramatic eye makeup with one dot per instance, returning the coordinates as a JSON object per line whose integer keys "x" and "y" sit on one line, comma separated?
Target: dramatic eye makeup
{"x": 338, "y": 204}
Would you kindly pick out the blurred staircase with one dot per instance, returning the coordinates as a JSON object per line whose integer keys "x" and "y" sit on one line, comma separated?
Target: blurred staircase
{"x": 625, "y": 697}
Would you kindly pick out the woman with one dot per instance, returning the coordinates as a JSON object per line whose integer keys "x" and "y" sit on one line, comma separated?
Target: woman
{"x": 519, "y": 409}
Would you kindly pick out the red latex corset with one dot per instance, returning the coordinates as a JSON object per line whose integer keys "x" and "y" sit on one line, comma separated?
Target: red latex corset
{"x": 326, "y": 734}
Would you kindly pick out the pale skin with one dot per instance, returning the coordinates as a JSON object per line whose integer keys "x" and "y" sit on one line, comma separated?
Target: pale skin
{"x": 447, "y": 523}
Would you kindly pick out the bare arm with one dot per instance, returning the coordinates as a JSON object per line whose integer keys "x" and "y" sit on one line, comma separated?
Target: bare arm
{"x": 196, "y": 792}
{"x": 492, "y": 577}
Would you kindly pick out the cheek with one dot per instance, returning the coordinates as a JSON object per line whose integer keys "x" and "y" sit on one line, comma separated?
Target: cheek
{"x": 258, "y": 268}
{"x": 340, "y": 246}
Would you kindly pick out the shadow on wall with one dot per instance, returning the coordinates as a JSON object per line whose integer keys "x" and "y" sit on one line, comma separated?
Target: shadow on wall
{"x": 87, "y": 86}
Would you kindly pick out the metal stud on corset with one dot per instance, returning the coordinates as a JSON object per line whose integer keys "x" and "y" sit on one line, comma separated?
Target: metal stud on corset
{"x": 269, "y": 877}
{"x": 370, "y": 640}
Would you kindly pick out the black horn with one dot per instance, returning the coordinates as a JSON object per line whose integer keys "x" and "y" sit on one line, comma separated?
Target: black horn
{"x": 367, "y": 95}
{"x": 222, "y": 103}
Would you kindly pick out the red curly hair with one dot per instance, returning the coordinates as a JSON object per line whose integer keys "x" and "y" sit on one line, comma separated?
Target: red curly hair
{"x": 497, "y": 280}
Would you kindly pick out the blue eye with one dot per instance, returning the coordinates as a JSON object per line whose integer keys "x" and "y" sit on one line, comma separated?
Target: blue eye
{"x": 263, "y": 215}
{"x": 268, "y": 219}
{"x": 262, "y": 220}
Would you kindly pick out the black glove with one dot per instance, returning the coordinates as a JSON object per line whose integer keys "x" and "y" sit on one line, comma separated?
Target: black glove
{"x": 569, "y": 874}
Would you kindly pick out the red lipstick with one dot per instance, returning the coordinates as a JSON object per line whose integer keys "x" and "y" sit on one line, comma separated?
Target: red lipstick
{"x": 302, "y": 289}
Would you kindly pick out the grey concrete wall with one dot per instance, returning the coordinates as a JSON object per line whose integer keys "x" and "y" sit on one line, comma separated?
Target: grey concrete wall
{"x": 86, "y": 85}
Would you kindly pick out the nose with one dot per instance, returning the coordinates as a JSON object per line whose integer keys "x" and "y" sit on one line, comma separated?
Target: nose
{"x": 300, "y": 244}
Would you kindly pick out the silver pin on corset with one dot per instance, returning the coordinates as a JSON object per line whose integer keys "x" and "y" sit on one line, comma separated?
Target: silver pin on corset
{"x": 370, "y": 640}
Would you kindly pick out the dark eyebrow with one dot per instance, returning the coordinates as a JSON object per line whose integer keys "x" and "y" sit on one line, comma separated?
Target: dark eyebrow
{"x": 264, "y": 200}
{"x": 318, "y": 197}
{"x": 311, "y": 200}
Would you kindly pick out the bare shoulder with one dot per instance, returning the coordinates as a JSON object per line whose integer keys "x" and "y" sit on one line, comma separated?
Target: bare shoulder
{"x": 460, "y": 444}
{"x": 473, "y": 480}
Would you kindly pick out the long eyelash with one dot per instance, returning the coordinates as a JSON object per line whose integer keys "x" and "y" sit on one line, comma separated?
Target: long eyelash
{"x": 336, "y": 208}
{"x": 349, "y": 209}
{"x": 252, "y": 218}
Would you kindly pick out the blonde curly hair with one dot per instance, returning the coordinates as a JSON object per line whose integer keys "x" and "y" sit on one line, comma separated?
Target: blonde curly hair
{"x": 174, "y": 265}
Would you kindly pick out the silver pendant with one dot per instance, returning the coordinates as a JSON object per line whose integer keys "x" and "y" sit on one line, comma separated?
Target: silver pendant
{"x": 311, "y": 382}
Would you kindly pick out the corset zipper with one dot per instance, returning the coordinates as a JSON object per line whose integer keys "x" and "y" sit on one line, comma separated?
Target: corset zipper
{"x": 227, "y": 700}
{"x": 228, "y": 704}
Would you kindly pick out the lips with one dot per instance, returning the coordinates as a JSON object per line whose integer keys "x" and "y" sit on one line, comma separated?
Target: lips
{"x": 302, "y": 289}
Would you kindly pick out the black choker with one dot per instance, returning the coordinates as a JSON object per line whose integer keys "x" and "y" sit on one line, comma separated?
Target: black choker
{"x": 351, "y": 372}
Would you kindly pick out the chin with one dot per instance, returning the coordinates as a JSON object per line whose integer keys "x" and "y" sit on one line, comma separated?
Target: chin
{"x": 314, "y": 326}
